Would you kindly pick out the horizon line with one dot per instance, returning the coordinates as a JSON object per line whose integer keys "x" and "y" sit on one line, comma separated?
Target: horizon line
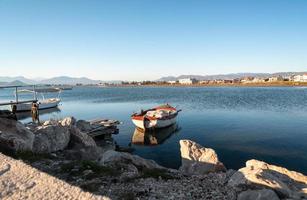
{"x": 38, "y": 79}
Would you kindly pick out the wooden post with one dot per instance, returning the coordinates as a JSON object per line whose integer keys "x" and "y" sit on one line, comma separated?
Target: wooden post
{"x": 35, "y": 97}
{"x": 16, "y": 94}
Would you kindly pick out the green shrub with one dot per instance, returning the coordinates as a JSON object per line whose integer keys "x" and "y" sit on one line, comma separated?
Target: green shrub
{"x": 88, "y": 165}
{"x": 30, "y": 156}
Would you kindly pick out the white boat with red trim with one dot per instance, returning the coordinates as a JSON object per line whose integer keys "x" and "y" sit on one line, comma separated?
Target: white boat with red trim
{"x": 158, "y": 117}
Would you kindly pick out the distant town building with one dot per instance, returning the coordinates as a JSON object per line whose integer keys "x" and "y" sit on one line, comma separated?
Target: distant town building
{"x": 171, "y": 82}
{"x": 204, "y": 82}
{"x": 288, "y": 78}
{"x": 228, "y": 81}
{"x": 237, "y": 80}
{"x": 187, "y": 81}
{"x": 258, "y": 80}
{"x": 219, "y": 81}
{"x": 276, "y": 78}
{"x": 102, "y": 84}
{"x": 300, "y": 78}
{"x": 248, "y": 79}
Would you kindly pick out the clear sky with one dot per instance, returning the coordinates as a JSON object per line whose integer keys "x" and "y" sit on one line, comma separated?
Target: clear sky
{"x": 147, "y": 39}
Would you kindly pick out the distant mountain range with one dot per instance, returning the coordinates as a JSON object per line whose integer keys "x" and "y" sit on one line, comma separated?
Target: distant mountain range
{"x": 61, "y": 80}
{"x": 229, "y": 76}
{"x": 66, "y": 80}
{"x": 19, "y": 83}
{"x": 4, "y": 80}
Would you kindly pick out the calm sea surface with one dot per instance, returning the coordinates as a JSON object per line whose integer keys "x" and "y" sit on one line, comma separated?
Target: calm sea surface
{"x": 268, "y": 124}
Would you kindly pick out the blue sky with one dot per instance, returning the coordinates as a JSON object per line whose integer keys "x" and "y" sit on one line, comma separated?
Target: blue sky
{"x": 147, "y": 39}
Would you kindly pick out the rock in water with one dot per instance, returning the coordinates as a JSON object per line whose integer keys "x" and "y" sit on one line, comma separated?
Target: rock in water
{"x": 198, "y": 160}
{"x": 50, "y": 138}
{"x": 120, "y": 157}
{"x": 258, "y": 174}
{"x": 263, "y": 194}
{"x": 15, "y": 136}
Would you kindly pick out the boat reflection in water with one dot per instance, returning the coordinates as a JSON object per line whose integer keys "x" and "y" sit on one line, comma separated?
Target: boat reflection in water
{"x": 26, "y": 115}
{"x": 153, "y": 137}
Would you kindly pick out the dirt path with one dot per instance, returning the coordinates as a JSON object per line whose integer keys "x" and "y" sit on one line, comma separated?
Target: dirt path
{"x": 21, "y": 181}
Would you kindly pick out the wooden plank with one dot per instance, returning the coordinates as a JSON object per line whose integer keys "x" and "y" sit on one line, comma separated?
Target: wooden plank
{"x": 100, "y": 132}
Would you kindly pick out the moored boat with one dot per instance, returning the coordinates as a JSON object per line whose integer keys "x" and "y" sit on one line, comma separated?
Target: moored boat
{"x": 158, "y": 117}
{"x": 43, "y": 103}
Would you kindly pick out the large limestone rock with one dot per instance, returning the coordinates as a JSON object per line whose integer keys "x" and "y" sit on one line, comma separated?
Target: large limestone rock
{"x": 15, "y": 136}
{"x": 84, "y": 153}
{"x": 76, "y": 135}
{"x": 263, "y": 194}
{"x": 120, "y": 157}
{"x": 50, "y": 138}
{"x": 83, "y": 125}
{"x": 258, "y": 174}
{"x": 197, "y": 159}
{"x": 79, "y": 137}
{"x": 55, "y": 135}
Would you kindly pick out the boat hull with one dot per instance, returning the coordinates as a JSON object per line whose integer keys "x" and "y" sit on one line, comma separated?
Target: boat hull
{"x": 156, "y": 123}
{"x": 41, "y": 105}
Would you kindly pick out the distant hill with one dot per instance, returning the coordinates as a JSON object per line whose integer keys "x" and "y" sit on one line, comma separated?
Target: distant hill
{"x": 18, "y": 83}
{"x": 7, "y": 79}
{"x": 61, "y": 80}
{"x": 229, "y": 76}
{"x": 66, "y": 80}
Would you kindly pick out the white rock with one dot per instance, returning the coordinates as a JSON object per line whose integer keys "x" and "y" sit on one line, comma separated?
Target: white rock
{"x": 285, "y": 183}
{"x": 263, "y": 194}
{"x": 68, "y": 121}
{"x": 50, "y": 138}
{"x": 198, "y": 160}
{"x": 15, "y": 136}
{"x": 52, "y": 122}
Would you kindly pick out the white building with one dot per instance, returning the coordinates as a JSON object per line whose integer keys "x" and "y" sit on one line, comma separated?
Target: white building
{"x": 258, "y": 80}
{"x": 171, "y": 82}
{"x": 276, "y": 78}
{"x": 300, "y": 78}
{"x": 187, "y": 81}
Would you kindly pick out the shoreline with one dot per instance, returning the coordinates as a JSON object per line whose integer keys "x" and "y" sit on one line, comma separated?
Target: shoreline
{"x": 289, "y": 84}
{"x": 69, "y": 156}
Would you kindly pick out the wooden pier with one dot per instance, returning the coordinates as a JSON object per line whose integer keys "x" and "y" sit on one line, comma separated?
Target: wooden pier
{"x": 101, "y": 127}
{"x": 17, "y": 101}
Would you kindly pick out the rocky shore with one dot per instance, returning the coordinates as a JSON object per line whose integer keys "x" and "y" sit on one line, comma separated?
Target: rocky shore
{"x": 58, "y": 160}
